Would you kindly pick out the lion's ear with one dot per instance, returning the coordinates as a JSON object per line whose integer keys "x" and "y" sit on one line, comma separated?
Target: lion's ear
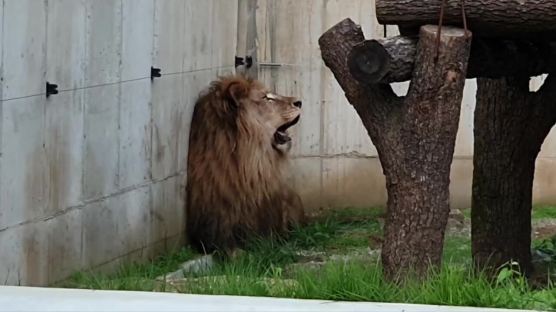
{"x": 236, "y": 91}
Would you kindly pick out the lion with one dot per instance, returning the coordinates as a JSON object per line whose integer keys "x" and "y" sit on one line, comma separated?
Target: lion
{"x": 238, "y": 153}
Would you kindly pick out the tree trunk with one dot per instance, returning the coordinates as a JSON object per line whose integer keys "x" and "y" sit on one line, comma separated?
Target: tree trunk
{"x": 414, "y": 137}
{"x": 391, "y": 59}
{"x": 511, "y": 124}
{"x": 486, "y": 18}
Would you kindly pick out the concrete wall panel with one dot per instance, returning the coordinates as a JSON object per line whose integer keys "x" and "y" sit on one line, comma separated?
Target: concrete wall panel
{"x": 223, "y": 33}
{"x": 167, "y": 214}
{"x": 137, "y": 38}
{"x": 100, "y": 176}
{"x": 548, "y": 149}
{"x": 306, "y": 179}
{"x": 63, "y": 132}
{"x": 66, "y": 52}
{"x": 353, "y": 182}
{"x": 545, "y": 181}
{"x": 115, "y": 227}
{"x": 63, "y": 255}
{"x": 197, "y": 44}
{"x": 24, "y": 167}
{"x": 461, "y": 177}
{"x": 169, "y": 35}
{"x": 339, "y": 137}
{"x": 11, "y": 256}
{"x": 464, "y": 139}
{"x": 104, "y": 38}
{"x": 135, "y": 133}
{"x": 167, "y": 119}
{"x": 24, "y": 40}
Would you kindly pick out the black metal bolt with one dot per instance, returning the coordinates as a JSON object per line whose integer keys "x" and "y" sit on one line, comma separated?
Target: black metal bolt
{"x": 248, "y": 61}
{"x": 155, "y": 73}
{"x": 51, "y": 89}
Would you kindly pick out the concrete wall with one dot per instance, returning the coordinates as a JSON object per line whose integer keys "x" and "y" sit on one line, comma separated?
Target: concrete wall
{"x": 335, "y": 162}
{"x": 95, "y": 174}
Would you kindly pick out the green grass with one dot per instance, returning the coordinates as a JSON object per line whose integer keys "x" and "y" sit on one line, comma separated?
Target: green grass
{"x": 265, "y": 270}
{"x": 466, "y": 213}
{"x": 538, "y": 212}
{"x": 132, "y": 276}
{"x": 339, "y": 230}
{"x": 451, "y": 286}
{"x": 544, "y": 212}
{"x": 457, "y": 250}
{"x": 364, "y": 282}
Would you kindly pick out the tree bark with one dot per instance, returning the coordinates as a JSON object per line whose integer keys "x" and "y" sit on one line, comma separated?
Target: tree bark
{"x": 391, "y": 59}
{"x": 486, "y": 18}
{"x": 511, "y": 124}
{"x": 414, "y": 137}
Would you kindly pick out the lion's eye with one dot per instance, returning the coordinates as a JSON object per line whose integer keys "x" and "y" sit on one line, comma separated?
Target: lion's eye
{"x": 270, "y": 97}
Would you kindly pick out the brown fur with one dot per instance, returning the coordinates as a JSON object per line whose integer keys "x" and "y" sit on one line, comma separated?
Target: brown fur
{"x": 236, "y": 185}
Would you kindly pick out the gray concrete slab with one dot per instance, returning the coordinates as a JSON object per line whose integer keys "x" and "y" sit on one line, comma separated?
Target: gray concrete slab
{"x": 51, "y": 299}
{"x": 64, "y": 149}
{"x": 167, "y": 214}
{"x": 66, "y": 56}
{"x": 115, "y": 227}
{"x": 135, "y": 133}
{"x": 137, "y": 38}
{"x": 104, "y": 38}
{"x": 24, "y": 43}
{"x": 101, "y": 118}
{"x": 169, "y": 35}
{"x": 167, "y": 120}
{"x": 24, "y": 167}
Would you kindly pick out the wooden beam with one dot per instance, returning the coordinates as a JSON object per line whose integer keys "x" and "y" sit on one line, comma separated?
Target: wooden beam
{"x": 525, "y": 19}
{"x": 392, "y": 59}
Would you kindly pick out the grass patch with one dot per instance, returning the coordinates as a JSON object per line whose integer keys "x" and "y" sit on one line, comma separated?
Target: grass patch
{"x": 266, "y": 270}
{"x": 457, "y": 250}
{"x": 339, "y": 230}
{"x": 466, "y": 213}
{"x": 538, "y": 212}
{"x": 450, "y": 286}
{"x": 132, "y": 276}
{"x": 544, "y": 212}
{"x": 453, "y": 285}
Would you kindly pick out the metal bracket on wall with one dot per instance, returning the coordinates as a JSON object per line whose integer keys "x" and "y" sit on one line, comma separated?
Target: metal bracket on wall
{"x": 51, "y": 89}
{"x": 248, "y": 61}
{"x": 155, "y": 73}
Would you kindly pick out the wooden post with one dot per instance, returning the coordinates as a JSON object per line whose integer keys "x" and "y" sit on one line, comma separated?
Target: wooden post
{"x": 511, "y": 124}
{"x": 414, "y": 137}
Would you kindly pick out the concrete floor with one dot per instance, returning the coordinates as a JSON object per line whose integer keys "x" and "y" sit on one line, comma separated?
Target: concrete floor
{"x": 54, "y": 299}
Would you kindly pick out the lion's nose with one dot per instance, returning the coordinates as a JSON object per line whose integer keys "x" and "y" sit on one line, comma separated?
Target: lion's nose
{"x": 297, "y": 104}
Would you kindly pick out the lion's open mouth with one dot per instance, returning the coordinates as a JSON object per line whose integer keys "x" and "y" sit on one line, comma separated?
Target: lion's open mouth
{"x": 281, "y": 136}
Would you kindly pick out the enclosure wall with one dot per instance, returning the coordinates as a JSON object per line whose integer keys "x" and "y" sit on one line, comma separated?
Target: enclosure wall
{"x": 94, "y": 175}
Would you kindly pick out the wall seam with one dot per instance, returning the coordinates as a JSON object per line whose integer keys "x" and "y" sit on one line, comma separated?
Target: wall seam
{"x": 85, "y": 203}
